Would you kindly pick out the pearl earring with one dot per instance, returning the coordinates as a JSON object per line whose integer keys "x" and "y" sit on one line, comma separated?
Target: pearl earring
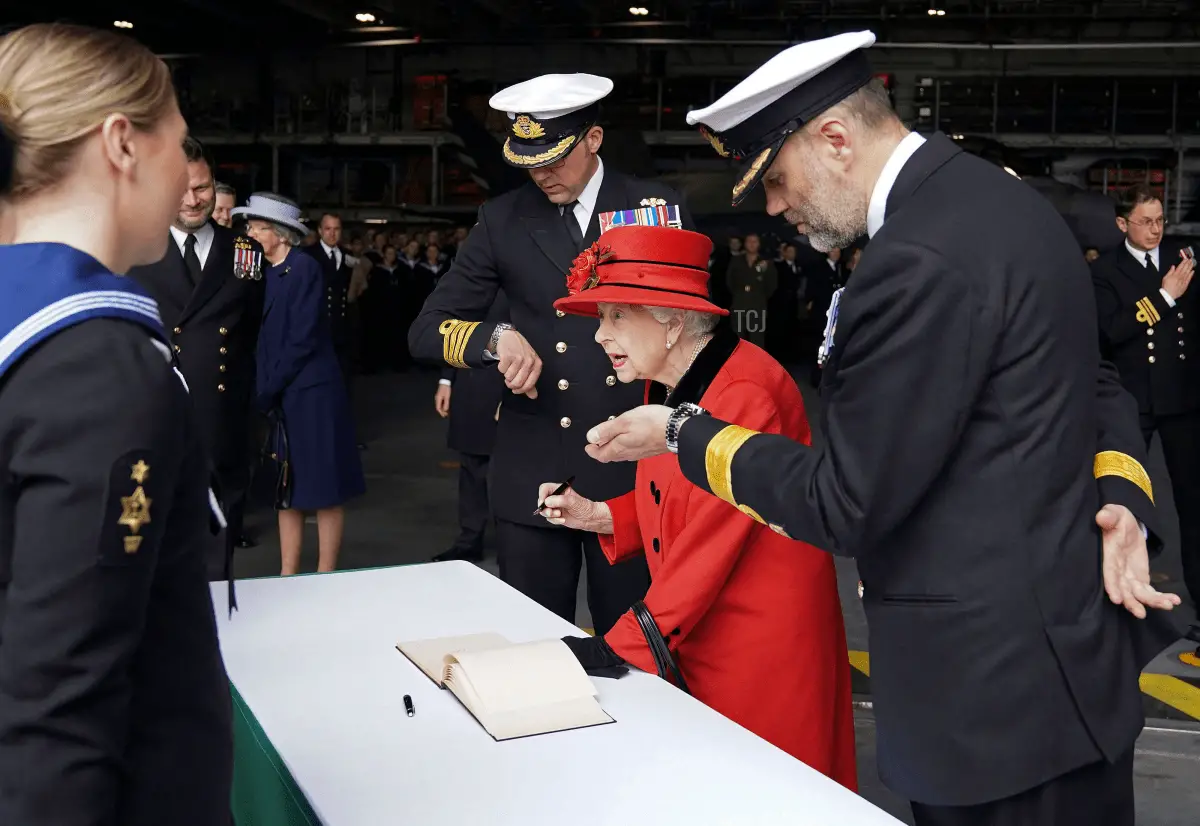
{"x": 668, "y": 345}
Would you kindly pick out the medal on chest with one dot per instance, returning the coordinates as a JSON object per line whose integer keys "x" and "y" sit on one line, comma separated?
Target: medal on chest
{"x": 831, "y": 317}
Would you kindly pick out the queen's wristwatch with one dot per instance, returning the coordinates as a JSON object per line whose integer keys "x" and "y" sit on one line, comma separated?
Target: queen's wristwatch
{"x": 678, "y": 416}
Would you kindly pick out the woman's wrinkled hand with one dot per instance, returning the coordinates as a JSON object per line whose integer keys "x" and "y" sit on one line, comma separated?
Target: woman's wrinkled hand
{"x": 570, "y": 510}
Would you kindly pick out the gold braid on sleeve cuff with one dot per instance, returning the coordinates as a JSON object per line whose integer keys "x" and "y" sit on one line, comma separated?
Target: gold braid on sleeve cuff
{"x": 718, "y": 465}
{"x": 1113, "y": 463}
{"x": 455, "y": 335}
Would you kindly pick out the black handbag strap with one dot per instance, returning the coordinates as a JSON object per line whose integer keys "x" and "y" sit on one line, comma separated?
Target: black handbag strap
{"x": 664, "y": 661}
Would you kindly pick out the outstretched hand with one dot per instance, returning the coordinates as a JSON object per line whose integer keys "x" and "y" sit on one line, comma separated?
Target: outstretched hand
{"x": 636, "y": 434}
{"x": 1126, "y": 565}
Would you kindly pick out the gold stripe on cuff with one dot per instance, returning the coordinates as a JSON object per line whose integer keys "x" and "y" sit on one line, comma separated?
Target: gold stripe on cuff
{"x": 455, "y": 335}
{"x": 1114, "y": 463}
{"x": 718, "y": 460}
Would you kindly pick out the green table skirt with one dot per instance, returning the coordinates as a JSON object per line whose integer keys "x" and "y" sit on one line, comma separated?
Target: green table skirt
{"x": 264, "y": 792}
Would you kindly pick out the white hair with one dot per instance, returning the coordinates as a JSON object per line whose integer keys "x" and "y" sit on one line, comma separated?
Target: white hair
{"x": 695, "y": 323}
{"x": 287, "y": 235}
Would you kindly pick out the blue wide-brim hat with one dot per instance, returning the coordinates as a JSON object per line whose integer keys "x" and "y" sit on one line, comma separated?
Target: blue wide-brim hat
{"x": 268, "y": 206}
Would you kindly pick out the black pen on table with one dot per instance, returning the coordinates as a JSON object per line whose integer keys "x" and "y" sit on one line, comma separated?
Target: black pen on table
{"x": 408, "y": 706}
{"x": 558, "y": 491}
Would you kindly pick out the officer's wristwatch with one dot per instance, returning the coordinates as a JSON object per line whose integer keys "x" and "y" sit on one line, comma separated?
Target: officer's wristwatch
{"x": 675, "y": 421}
{"x": 494, "y": 341}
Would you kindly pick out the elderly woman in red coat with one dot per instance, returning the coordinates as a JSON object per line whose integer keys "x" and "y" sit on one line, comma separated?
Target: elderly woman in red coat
{"x": 752, "y": 619}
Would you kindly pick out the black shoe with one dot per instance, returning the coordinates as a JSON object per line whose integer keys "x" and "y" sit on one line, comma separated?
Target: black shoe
{"x": 455, "y": 554}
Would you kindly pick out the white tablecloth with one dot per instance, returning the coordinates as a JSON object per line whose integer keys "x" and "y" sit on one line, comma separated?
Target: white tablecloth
{"x": 314, "y": 659}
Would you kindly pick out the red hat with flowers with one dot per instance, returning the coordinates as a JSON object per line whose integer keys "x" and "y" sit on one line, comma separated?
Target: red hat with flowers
{"x": 654, "y": 266}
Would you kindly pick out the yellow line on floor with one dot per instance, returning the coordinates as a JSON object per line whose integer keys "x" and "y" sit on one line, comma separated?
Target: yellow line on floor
{"x": 861, "y": 662}
{"x": 1172, "y": 691}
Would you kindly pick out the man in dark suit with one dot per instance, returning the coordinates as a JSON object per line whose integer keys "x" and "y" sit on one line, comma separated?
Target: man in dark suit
{"x": 1146, "y": 310}
{"x": 471, "y": 400}
{"x": 209, "y": 293}
{"x": 979, "y": 459}
{"x": 337, "y": 271}
{"x": 562, "y": 383}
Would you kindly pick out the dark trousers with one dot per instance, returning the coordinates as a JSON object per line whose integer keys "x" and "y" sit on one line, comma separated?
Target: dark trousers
{"x": 1099, "y": 794}
{"x": 473, "y": 508}
{"x": 544, "y": 564}
{"x": 1180, "y": 436}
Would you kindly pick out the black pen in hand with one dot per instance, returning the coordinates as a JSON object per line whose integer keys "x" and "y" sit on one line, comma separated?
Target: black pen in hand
{"x": 558, "y": 491}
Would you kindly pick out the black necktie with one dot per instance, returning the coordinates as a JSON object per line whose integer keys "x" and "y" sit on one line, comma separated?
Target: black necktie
{"x": 191, "y": 260}
{"x": 1150, "y": 268}
{"x": 569, "y": 219}
{"x": 333, "y": 257}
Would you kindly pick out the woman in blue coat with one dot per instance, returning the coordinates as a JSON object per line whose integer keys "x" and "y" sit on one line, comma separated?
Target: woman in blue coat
{"x": 299, "y": 379}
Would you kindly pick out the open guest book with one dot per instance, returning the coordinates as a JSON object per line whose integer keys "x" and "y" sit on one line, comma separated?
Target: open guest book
{"x": 513, "y": 690}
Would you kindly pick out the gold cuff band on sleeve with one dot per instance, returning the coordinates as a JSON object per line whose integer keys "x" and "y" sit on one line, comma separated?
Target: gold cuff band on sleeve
{"x": 718, "y": 460}
{"x": 1113, "y": 463}
{"x": 455, "y": 335}
{"x": 1146, "y": 313}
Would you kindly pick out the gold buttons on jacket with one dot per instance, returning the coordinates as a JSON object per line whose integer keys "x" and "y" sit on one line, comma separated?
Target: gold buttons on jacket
{"x": 1181, "y": 329}
{"x": 177, "y": 350}
{"x": 224, "y": 331}
{"x": 178, "y": 331}
{"x": 1150, "y": 346}
{"x": 563, "y": 384}
{"x": 1151, "y": 359}
{"x": 561, "y": 347}
{"x": 610, "y": 380}
{"x": 1149, "y": 331}
{"x": 565, "y": 421}
{"x": 220, "y": 388}
{"x": 559, "y": 313}
{"x": 221, "y": 367}
{"x": 1179, "y": 315}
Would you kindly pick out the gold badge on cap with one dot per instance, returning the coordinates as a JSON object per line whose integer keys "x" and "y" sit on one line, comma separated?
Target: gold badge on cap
{"x": 716, "y": 143}
{"x": 528, "y": 128}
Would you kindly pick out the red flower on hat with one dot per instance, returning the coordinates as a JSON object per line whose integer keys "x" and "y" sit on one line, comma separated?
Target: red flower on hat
{"x": 582, "y": 275}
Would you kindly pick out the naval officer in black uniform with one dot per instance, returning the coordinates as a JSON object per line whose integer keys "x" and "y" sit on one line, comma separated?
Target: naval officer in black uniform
{"x": 967, "y": 419}
{"x": 209, "y": 291}
{"x": 338, "y": 270}
{"x": 1147, "y": 308}
{"x": 562, "y": 383}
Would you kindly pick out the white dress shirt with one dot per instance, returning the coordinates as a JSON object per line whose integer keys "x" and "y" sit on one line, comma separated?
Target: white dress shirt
{"x": 337, "y": 254}
{"x": 887, "y": 179}
{"x": 204, "y": 240}
{"x": 1140, "y": 257}
{"x": 586, "y": 204}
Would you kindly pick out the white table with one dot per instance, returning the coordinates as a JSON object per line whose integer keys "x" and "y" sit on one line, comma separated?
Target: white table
{"x": 314, "y": 659}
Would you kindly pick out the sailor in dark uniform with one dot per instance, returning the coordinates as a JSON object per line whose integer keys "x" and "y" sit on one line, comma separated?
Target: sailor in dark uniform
{"x": 114, "y": 702}
{"x": 1147, "y": 306}
{"x": 968, "y": 418}
{"x": 562, "y": 383}
{"x": 209, "y": 291}
{"x": 472, "y": 401}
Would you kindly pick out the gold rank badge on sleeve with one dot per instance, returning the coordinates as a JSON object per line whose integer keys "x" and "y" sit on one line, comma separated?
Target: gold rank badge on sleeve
{"x": 455, "y": 335}
{"x": 128, "y": 517}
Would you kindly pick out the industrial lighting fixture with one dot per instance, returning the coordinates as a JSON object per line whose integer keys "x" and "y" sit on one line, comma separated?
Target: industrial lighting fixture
{"x": 937, "y": 12}
{"x": 637, "y": 11}
{"x": 122, "y": 24}
{"x": 365, "y": 17}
